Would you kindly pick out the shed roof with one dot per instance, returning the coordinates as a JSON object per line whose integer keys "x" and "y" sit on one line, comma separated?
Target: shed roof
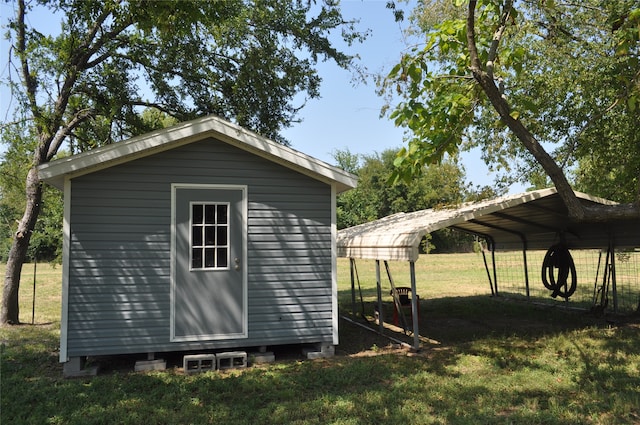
{"x": 210, "y": 126}
{"x": 532, "y": 220}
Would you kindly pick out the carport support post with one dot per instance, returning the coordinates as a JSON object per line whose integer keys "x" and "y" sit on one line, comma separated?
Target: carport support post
{"x": 614, "y": 284}
{"x": 526, "y": 269}
{"x": 379, "y": 288}
{"x": 414, "y": 307}
{"x": 495, "y": 272}
{"x": 353, "y": 286}
{"x": 486, "y": 267}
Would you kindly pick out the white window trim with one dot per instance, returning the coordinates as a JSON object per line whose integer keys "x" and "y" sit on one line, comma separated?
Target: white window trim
{"x": 204, "y": 268}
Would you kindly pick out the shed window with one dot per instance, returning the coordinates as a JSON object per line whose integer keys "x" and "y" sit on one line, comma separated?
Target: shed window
{"x": 209, "y": 236}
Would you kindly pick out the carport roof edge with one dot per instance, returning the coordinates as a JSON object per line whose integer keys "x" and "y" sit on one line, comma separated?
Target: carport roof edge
{"x": 398, "y": 236}
{"x": 103, "y": 157}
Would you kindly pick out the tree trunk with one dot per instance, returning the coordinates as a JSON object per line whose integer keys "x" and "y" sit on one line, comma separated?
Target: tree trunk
{"x": 9, "y": 314}
{"x": 484, "y": 77}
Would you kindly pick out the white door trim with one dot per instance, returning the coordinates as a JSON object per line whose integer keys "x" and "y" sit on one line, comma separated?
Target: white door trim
{"x": 244, "y": 232}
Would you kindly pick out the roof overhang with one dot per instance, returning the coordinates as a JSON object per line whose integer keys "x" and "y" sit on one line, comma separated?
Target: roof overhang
{"x": 530, "y": 220}
{"x": 210, "y": 126}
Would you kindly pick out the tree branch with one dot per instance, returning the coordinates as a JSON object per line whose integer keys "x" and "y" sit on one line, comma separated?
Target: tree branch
{"x": 80, "y": 59}
{"x": 30, "y": 82}
{"x": 576, "y": 209}
{"x": 87, "y": 49}
{"x": 78, "y": 118}
{"x": 79, "y": 63}
{"x": 574, "y": 140}
{"x": 471, "y": 37}
{"x": 497, "y": 36}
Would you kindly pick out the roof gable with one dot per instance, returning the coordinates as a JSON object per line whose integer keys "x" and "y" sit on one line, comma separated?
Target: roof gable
{"x": 210, "y": 126}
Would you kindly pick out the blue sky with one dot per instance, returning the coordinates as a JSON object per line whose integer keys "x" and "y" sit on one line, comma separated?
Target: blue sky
{"x": 347, "y": 116}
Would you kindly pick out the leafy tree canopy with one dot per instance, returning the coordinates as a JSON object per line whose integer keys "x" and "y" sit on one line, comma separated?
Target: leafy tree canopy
{"x": 520, "y": 78}
{"x": 438, "y": 186}
{"x": 244, "y": 61}
{"x": 89, "y": 83}
{"x": 375, "y": 198}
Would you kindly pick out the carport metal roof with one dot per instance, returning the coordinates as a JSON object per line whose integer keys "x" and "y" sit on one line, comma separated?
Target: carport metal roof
{"x": 530, "y": 220}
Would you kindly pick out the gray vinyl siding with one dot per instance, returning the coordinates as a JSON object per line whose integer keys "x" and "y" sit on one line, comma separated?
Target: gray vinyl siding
{"x": 120, "y": 260}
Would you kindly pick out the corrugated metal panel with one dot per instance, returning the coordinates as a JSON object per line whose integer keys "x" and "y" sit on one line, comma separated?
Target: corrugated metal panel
{"x": 119, "y": 277}
{"x": 537, "y": 219}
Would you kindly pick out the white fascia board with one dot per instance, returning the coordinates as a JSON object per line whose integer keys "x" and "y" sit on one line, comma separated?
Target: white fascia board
{"x": 404, "y": 253}
{"x": 66, "y": 243}
{"x": 288, "y": 157}
{"x": 188, "y": 132}
{"x": 119, "y": 153}
{"x": 334, "y": 268}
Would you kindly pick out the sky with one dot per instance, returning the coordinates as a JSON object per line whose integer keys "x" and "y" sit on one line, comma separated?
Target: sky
{"x": 347, "y": 115}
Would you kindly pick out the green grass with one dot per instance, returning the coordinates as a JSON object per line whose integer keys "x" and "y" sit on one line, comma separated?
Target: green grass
{"x": 496, "y": 362}
{"x": 47, "y": 288}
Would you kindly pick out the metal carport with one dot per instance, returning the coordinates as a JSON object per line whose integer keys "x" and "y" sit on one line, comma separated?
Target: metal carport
{"x": 530, "y": 220}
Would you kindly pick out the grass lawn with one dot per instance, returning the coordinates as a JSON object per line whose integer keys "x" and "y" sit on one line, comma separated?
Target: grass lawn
{"x": 493, "y": 362}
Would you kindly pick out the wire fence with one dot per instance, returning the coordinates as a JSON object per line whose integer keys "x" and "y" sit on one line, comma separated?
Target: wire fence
{"x": 610, "y": 282}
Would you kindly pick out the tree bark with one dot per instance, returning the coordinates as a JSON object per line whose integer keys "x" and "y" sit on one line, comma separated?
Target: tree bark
{"x": 10, "y": 311}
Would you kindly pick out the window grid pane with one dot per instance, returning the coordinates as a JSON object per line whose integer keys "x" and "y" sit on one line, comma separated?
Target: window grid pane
{"x": 210, "y": 236}
{"x": 196, "y": 211}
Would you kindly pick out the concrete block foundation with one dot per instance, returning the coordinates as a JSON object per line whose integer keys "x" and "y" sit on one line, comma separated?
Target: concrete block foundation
{"x": 231, "y": 360}
{"x": 196, "y": 363}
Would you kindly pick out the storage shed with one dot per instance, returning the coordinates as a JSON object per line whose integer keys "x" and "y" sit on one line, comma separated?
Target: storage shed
{"x": 202, "y": 236}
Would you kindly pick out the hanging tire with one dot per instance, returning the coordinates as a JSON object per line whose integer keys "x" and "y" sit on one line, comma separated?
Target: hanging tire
{"x": 563, "y": 283}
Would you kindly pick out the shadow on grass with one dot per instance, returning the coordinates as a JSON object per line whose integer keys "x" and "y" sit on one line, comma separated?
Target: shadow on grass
{"x": 455, "y": 320}
{"x": 496, "y": 362}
